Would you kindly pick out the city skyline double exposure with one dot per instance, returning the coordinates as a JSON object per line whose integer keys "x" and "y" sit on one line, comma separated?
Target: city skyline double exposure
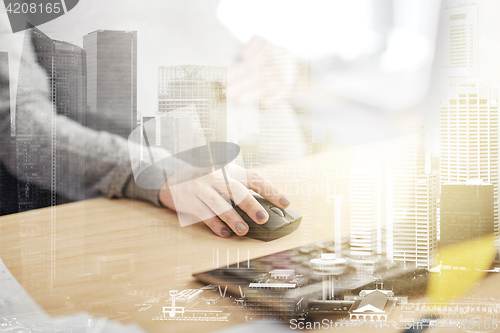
{"x": 364, "y": 152}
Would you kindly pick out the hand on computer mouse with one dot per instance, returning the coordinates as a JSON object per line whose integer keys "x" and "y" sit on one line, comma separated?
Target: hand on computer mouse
{"x": 206, "y": 198}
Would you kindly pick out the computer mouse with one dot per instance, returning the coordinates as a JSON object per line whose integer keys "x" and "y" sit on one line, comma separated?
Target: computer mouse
{"x": 281, "y": 222}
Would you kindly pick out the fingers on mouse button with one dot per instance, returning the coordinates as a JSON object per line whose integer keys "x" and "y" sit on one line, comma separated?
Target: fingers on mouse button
{"x": 277, "y": 211}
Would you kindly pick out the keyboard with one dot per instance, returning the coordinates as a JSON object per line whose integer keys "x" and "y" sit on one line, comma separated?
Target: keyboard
{"x": 311, "y": 279}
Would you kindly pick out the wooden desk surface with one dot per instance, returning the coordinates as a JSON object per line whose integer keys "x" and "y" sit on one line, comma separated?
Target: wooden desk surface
{"x": 101, "y": 250}
{"x": 110, "y": 256}
{"x": 141, "y": 242}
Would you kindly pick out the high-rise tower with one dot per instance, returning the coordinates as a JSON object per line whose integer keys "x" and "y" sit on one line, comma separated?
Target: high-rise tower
{"x": 469, "y": 135}
{"x": 112, "y": 80}
{"x": 57, "y": 74}
{"x": 413, "y": 225}
{"x": 201, "y": 89}
{"x": 8, "y": 182}
{"x": 365, "y": 200}
{"x": 65, "y": 68}
{"x": 285, "y": 119}
{"x": 461, "y": 48}
{"x": 65, "y": 64}
{"x": 469, "y": 107}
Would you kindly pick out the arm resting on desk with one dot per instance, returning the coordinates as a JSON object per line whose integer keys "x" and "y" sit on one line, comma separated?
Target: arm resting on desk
{"x": 88, "y": 163}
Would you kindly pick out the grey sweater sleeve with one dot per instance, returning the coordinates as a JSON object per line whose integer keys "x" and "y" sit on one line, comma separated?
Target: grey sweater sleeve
{"x": 88, "y": 162}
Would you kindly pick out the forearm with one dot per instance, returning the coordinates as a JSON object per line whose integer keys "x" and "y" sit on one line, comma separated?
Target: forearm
{"x": 83, "y": 162}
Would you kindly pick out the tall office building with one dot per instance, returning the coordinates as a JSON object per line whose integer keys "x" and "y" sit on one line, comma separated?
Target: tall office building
{"x": 467, "y": 211}
{"x": 8, "y": 182}
{"x": 469, "y": 135}
{"x": 11, "y": 255}
{"x": 192, "y": 109}
{"x": 469, "y": 108}
{"x": 34, "y": 168}
{"x": 365, "y": 203}
{"x": 32, "y": 80}
{"x": 62, "y": 69}
{"x": 461, "y": 48}
{"x": 285, "y": 118}
{"x": 66, "y": 66}
{"x": 178, "y": 130}
{"x": 112, "y": 80}
{"x": 412, "y": 227}
{"x": 302, "y": 102}
{"x": 198, "y": 88}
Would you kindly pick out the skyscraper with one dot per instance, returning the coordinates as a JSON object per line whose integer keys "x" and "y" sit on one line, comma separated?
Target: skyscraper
{"x": 469, "y": 135}
{"x": 8, "y": 182}
{"x": 66, "y": 66}
{"x": 32, "y": 80}
{"x": 365, "y": 202}
{"x": 112, "y": 80}
{"x": 63, "y": 70}
{"x": 469, "y": 108}
{"x": 467, "y": 211}
{"x": 413, "y": 225}
{"x": 202, "y": 87}
{"x": 285, "y": 118}
{"x": 461, "y": 48}
{"x": 302, "y": 102}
